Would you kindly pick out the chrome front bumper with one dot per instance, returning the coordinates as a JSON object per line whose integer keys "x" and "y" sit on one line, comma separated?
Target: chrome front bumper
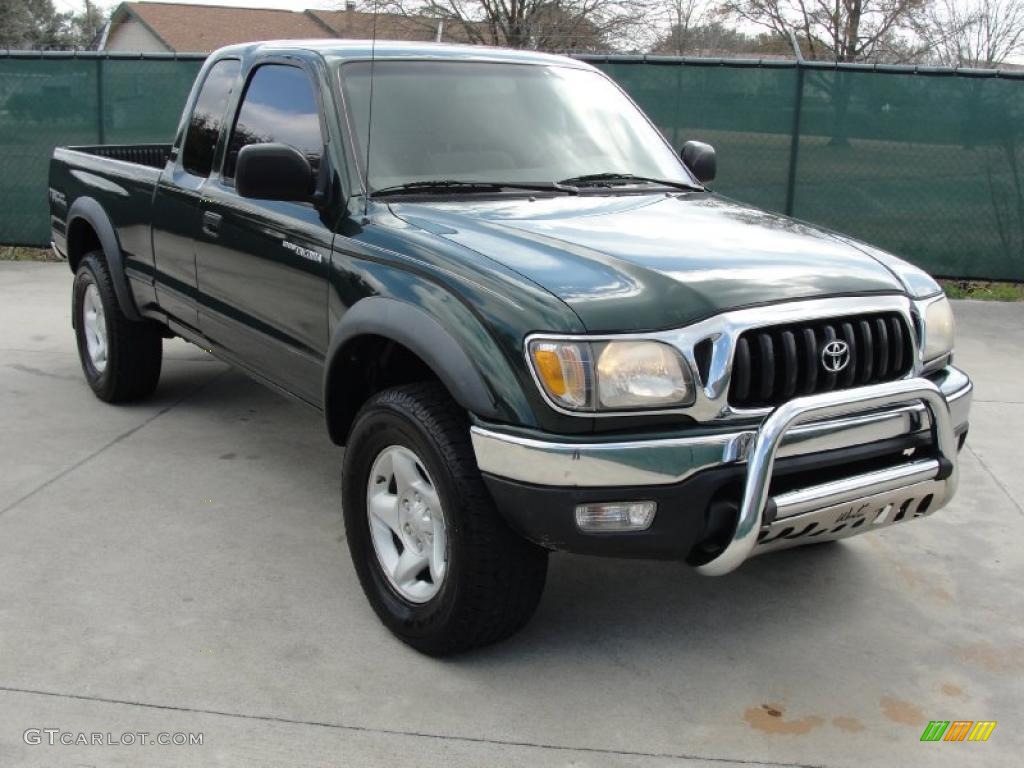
{"x": 935, "y": 410}
{"x": 828, "y": 501}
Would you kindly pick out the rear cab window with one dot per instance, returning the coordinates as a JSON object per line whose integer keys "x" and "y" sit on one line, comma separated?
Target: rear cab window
{"x": 208, "y": 117}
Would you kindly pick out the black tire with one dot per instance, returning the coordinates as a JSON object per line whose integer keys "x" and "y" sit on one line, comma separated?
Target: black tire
{"x": 134, "y": 349}
{"x": 494, "y": 577}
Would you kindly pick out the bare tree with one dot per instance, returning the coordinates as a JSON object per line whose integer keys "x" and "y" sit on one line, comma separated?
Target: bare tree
{"x": 89, "y": 23}
{"x": 698, "y": 28}
{"x": 684, "y": 17}
{"x": 37, "y": 24}
{"x": 842, "y": 30}
{"x": 556, "y": 25}
{"x": 708, "y": 35}
{"x": 980, "y": 34}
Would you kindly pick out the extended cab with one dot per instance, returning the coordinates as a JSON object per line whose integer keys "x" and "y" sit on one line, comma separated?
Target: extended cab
{"x": 522, "y": 312}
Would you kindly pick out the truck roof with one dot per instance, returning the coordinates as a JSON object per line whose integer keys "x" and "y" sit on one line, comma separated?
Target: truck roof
{"x": 354, "y": 50}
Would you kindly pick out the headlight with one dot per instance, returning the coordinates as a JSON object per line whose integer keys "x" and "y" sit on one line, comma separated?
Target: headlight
{"x": 641, "y": 374}
{"x": 612, "y": 375}
{"x": 938, "y": 330}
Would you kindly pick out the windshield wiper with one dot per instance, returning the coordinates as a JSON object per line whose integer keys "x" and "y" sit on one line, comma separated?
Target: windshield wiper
{"x": 454, "y": 185}
{"x": 610, "y": 179}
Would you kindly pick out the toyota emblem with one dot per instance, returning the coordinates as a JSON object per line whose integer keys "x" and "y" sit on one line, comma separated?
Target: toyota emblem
{"x": 835, "y": 356}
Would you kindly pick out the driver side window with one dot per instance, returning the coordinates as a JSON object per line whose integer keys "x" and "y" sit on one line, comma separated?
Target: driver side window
{"x": 280, "y": 107}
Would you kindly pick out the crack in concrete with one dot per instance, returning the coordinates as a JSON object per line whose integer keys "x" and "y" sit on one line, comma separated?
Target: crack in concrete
{"x": 73, "y": 353}
{"x": 69, "y": 353}
{"x": 416, "y": 734}
{"x": 38, "y": 372}
{"x": 123, "y": 436}
{"x": 996, "y": 479}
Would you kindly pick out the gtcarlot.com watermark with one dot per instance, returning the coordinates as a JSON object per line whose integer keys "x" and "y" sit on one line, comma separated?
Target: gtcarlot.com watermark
{"x": 55, "y": 736}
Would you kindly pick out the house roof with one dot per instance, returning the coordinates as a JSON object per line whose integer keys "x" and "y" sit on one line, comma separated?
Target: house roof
{"x": 207, "y": 27}
{"x": 185, "y": 27}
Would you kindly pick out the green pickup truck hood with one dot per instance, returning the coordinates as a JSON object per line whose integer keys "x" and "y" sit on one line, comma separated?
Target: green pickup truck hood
{"x": 646, "y": 262}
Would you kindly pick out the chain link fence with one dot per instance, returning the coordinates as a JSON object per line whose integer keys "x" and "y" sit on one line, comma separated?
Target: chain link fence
{"x": 924, "y": 162}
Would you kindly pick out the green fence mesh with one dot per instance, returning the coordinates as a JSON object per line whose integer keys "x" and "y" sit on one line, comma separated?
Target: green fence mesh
{"x": 927, "y": 164}
{"x": 142, "y": 100}
{"x": 746, "y": 113}
{"x": 47, "y": 102}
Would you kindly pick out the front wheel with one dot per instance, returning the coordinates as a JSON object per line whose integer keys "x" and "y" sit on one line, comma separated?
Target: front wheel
{"x": 440, "y": 567}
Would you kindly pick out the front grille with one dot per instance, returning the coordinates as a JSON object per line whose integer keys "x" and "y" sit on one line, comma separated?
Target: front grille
{"x": 772, "y": 365}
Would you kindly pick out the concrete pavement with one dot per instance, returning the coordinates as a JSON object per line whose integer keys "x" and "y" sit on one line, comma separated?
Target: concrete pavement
{"x": 180, "y": 566}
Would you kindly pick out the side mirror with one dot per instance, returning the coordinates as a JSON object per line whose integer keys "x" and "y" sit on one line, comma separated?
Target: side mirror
{"x": 700, "y": 159}
{"x": 273, "y": 172}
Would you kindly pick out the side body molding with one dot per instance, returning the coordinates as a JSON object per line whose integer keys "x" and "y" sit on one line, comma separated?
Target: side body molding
{"x": 90, "y": 211}
{"x": 416, "y": 330}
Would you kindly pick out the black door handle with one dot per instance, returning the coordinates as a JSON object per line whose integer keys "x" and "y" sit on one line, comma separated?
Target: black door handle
{"x": 211, "y": 223}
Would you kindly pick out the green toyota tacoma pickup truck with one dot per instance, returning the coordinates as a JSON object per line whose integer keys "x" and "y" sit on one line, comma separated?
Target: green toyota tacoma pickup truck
{"x": 522, "y": 313}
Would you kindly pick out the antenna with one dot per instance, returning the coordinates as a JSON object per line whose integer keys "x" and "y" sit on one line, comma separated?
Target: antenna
{"x": 369, "y": 118}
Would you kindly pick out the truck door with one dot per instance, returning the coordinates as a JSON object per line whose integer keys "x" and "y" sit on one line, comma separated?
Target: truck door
{"x": 262, "y": 265}
{"x": 176, "y": 201}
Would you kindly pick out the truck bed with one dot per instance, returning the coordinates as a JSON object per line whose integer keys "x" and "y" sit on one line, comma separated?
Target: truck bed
{"x": 153, "y": 155}
{"x": 117, "y": 182}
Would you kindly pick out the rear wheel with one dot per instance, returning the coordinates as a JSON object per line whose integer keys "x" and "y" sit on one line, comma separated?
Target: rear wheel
{"x": 120, "y": 358}
{"x": 438, "y": 564}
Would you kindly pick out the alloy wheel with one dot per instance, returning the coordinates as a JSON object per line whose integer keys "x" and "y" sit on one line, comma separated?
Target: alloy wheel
{"x": 407, "y": 524}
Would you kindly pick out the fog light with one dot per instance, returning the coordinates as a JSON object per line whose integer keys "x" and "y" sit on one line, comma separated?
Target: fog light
{"x": 616, "y": 516}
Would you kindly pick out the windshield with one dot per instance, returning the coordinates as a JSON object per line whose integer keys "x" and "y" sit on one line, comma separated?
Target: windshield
{"x": 474, "y": 121}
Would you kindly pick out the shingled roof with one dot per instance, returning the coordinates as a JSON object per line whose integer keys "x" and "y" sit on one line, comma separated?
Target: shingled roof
{"x": 206, "y": 27}
{"x": 189, "y": 28}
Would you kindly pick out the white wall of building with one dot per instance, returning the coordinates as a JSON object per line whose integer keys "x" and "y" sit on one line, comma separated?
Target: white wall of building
{"x": 133, "y": 36}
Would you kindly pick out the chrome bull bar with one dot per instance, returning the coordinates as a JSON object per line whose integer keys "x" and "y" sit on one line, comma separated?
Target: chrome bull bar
{"x": 941, "y": 469}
